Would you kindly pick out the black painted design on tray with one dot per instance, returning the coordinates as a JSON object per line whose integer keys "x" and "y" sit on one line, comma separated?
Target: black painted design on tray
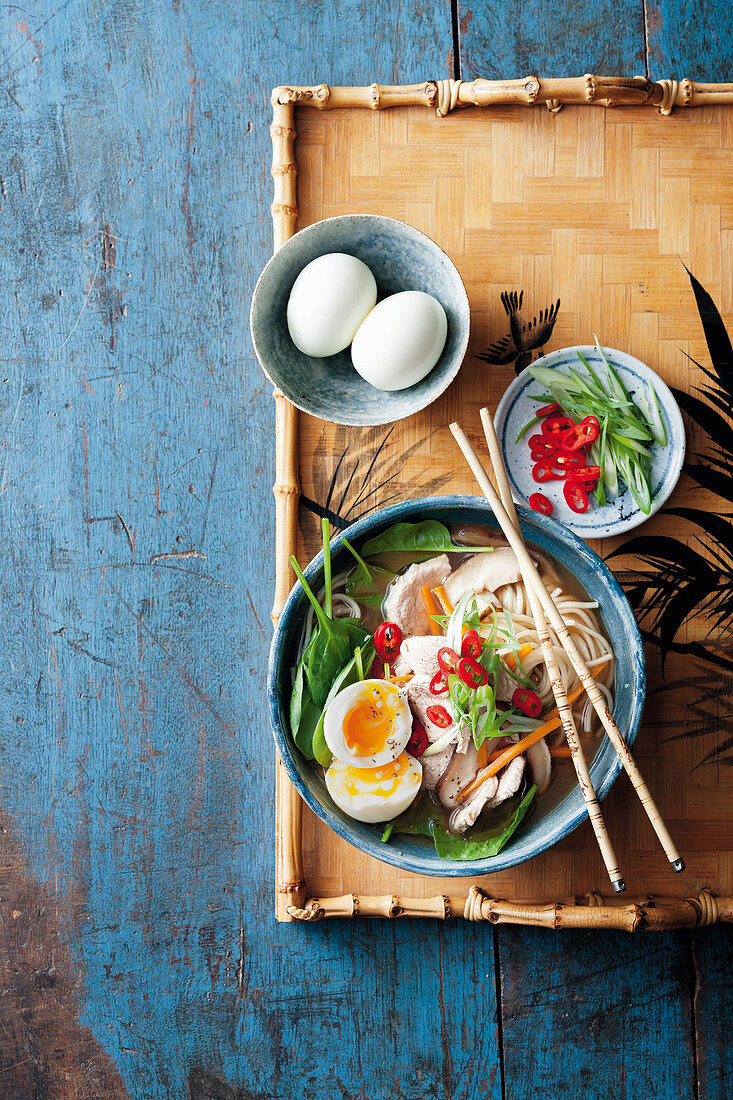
{"x": 682, "y": 583}
{"x": 524, "y": 337}
{"x": 348, "y": 493}
{"x": 704, "y": 692}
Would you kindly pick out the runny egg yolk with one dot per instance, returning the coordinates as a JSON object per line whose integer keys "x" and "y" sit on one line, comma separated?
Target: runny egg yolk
{"x": 383, "y": 781}
{"x": 369, "y": 723}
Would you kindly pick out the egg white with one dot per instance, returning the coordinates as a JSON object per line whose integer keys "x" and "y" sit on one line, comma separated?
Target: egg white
{"x": 353, "y": 716}
{"x": 330, "y": 298}
{"x": 375, "y": 794}
{"x": 399, "y": 342}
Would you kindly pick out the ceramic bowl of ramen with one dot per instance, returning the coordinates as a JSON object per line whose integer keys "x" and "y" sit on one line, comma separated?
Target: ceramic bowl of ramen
{"x": 420, "y": 751}
{"x": 401, "y": 259}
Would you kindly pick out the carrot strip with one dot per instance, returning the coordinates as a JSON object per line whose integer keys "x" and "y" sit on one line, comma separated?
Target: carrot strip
{"x": 517, "y": 749}
{"x": 560, "y": 751}
{"x": 400, "y": 679}
{"x": 482, "y": 754}
{"x": 431, "y": 607}
{"x": 510, "y": 660}
{"x": 442, "y": 595}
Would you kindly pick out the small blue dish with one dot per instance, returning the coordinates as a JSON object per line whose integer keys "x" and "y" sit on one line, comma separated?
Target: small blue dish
{"x": 621, "y": 513}
{"x": 541, "y": 830}
{"x": 400, "y": 258}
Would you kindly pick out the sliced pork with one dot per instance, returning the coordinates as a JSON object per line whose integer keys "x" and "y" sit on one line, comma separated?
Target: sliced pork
{"x": 404, "y": 604}
{"x": 420, "y": 653}
{"x": 510, "y": 779}
{"x": 420, "y": 697}
{"x": 505, "y": 686}
{"x": 466, "y": 813}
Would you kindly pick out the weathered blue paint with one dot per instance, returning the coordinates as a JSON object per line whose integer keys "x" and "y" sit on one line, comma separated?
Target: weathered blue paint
{"x": 689, "y": 38}
{"x": 712, "y": 965}
{"x": 551, "y": 38}
{"x": 608, "y": 1018}
{"x": 136, "y": 423}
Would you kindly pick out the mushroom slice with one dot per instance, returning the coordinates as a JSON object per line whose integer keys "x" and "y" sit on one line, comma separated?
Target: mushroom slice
{"x": 491, "y": 793}
{"x": 462, "y": 769}
{"x": 540, "y": 765}
{"x": 483, "y": 573}
{"x": 433, "y": 767}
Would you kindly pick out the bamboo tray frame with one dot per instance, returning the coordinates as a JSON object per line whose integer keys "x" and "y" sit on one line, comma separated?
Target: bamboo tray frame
{"x": 444, "y": 96}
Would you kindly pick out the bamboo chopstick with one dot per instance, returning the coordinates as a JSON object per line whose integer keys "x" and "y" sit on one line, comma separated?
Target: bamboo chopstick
{"x": 584, "y": 674}
{"x": 558, "y": 688}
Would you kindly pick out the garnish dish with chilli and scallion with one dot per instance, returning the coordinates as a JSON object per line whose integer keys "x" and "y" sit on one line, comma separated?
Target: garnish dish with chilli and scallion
{"x": 592, "y": 435}
{"x": 421, "y": 691}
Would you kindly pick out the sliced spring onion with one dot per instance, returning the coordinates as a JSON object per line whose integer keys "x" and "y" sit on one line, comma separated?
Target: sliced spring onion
{"x": 654, "y": 416}
{"x": 442, "y": 743}
{"x": 628, "y": 430}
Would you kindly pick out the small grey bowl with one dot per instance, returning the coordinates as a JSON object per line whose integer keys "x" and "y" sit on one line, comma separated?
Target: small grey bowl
{"x": 400, "y": 258}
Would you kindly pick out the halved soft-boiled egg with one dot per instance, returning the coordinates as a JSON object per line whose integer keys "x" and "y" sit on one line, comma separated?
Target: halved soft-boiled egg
{"x": 368, "y": 723}
{"x": 375, "y": 794}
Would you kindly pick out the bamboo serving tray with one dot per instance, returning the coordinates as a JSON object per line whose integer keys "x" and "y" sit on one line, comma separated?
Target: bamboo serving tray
{"x": 626, "y": 216}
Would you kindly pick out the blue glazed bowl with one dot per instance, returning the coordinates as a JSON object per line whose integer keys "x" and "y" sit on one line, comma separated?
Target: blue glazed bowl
{"x": 400, "y": 258}
{"x": 541, "y": 830}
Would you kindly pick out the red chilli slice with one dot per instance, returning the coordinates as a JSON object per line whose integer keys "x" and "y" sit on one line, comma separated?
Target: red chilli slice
{"x": 586, "y": 473}
{"x": 471, "y": 645}
{"x": 418, "y": 742}
{"x": 387, "y": 641}
{"x": 576, "y": 496}
{"x": 543, "y": 445}
{"x": 568, "y": 460}
{"x": 556, "y": 424}
{"x": 448, "y": 660}
{"x": 439, "y": 716}
{"x": 543, "y": 471}
{"x": 583, "y": 434}
{"x": 438, "y": 684}
{"x": 472, "y": 673}
{"x": 539, "y": 503}
{"x": 528, "y": 702}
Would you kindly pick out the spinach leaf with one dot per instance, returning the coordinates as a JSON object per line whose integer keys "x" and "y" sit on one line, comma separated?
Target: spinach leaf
{"x": 303, "y": 711}
{"x": 332, "y": 651}
{"x": 304, "y": 735}
{"x": 366, "y": 580}
{"x": 375, "y": 601}
{"x": 334, "y": 639}
{"x": 300, "y": 689}
{"x": 321, "y": 751}
{"x": 485, "y": 843}
{"x": 348, "y": 676}
{"x": 428, "y": 537}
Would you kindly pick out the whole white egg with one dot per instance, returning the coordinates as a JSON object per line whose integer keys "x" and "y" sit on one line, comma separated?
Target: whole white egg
{"x": 375, "y": 794}
{"x": 329, "y": 300}
{"x": 400, "y": 341}
{"x": 368, "y": 723}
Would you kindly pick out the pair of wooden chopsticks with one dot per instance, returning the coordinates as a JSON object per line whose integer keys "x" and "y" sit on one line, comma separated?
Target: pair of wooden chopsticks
{"x": 543, "y": 608}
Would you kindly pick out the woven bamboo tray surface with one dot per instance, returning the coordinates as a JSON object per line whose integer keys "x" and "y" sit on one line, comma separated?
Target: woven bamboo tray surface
{"x": 602, "y": 209}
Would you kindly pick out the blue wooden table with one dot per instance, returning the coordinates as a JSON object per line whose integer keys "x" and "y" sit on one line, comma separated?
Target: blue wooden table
{"x": 138, "y": 948}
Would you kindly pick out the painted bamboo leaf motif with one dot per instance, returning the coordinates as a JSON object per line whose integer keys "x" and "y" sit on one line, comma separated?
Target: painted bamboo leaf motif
{"x": 361, "y": 483}
{"x": 682, "y": 583}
